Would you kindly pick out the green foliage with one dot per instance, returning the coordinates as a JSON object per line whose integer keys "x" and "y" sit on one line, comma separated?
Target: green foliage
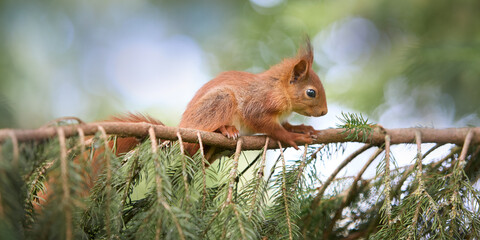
{"x": 167, "y": 195}
{"x": 439, "y": 211}
{"x": 356, "y": 126}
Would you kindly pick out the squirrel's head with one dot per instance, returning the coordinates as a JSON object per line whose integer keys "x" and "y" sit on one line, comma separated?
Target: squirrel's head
{"x": 306, "y": 92}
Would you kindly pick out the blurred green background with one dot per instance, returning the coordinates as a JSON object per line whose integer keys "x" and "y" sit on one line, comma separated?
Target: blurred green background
{"x": 402, "y": 63}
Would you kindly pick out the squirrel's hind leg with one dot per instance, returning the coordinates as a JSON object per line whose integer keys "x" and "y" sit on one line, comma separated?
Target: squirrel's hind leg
{"x": 229, "y": 131}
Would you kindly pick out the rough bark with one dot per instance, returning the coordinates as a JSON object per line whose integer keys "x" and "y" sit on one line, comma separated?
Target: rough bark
{"x": 400, "y": 135}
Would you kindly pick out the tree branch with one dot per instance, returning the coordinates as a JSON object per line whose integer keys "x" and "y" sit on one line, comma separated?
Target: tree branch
{"x": 401, "y": 135}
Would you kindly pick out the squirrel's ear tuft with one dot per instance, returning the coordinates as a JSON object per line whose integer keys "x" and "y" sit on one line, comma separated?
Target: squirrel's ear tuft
{"x": 299, "y": 70}
{"x": 306, "y": 51}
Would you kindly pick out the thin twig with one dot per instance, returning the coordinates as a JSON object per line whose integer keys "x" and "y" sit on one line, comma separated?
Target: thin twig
{"x": 302, "y": 165}
{"x": 248, "y": 167}
{"x": 126, "y": 191}
{"x": 388, "y": 186}
{"x": 418, "y": 140}
{"x": 240, "y": 225}
{"x": 153, "y": 140}
{"x": 65, "y": 188}
{"x": 180, "y": 141}
{"x": 264, "y": 157}
{"x": 158, "y": 183}
{"x": 457, "y": 178}
{"x": 454, "y": 151}
{"x": 204, "y": 174}
{"x": 406, "y": 167}
{"x": 349, "y": 196}
{"x": 372, "y": 226}
{"x": 316, "y": 201}
{"x": 259, "y": 179}
{"x": 14, "y": 139}
{"x": 207, "y": 228}
{"x": 284, "y": 190}
{"x": 272, "y": 170}
{"x": 160, "y": 200}
{"x": 413, "y": 230}
{"x": 174, "y": 218}
{"x": 108, "y": 187}
{"x": 466, "y": 143}
{"x": 184, "y": 169}
{"x": 233, "y": 172}
{"x": 81, "y": 140}
{"x": 338, "y": 169}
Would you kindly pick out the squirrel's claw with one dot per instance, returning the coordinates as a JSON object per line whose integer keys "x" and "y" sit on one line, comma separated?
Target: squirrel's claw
{"x": 229, "y": 131}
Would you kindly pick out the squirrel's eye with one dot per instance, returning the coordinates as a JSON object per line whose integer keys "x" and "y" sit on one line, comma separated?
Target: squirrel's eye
{"x": 311, "y": 93}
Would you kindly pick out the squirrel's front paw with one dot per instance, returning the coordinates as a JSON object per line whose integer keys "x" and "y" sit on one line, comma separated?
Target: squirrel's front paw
{"x": 298, "y": 137}
{"x": 300, "y": 129}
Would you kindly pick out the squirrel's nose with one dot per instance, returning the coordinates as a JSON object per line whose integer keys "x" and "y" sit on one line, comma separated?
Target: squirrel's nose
{"x": 324, "y": 111}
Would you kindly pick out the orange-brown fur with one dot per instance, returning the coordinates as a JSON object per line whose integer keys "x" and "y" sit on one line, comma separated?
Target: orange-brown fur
{"x": 125, "y": 144}
{"x": 122, "y": 144}
{"x": 259, "y": 103}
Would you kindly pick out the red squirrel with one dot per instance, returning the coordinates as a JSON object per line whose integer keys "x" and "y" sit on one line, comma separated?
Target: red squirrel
{"x": 241, "y": 103}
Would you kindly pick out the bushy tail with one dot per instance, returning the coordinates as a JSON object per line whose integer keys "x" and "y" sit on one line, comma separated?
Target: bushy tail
{"x": 122, "y": 146}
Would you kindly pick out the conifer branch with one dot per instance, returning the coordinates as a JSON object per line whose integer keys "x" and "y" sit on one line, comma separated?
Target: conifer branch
{"x": 81, "y": 140}
{"x": 284, "y": 192}
{"x": 140, "y": 130}
{"x": 302, "y": 165}
{"x": 204, "y": 174}
{"x": 174, "y": 218}
{"x": 337, "y": 170}
{"x": 434, "y": 199}
{"x": 153, "y": 141}
{"x": 258, "y": 180}
{"x": 240, "y": 225}
{"x": 13, "y": 137}
{"x": 388, "y": 185}
{"x": 373, "y": 224}
{"x": 350, "y": 194}
{"x": 316, "y": 201}
{"x": 108, "y": 187}
{"x": 466, "y": 144}
{"x": 420, "y": 189}
{"x": 65, "y": 188}
{"x": 184, "y": 173}
{"x": 233, "y": 172}
{"x": 158, "y": 182}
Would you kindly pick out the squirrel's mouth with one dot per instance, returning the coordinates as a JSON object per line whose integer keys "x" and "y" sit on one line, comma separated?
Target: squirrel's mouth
{"x": 313, "y": 113}
{"x": 319, "y": 113}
